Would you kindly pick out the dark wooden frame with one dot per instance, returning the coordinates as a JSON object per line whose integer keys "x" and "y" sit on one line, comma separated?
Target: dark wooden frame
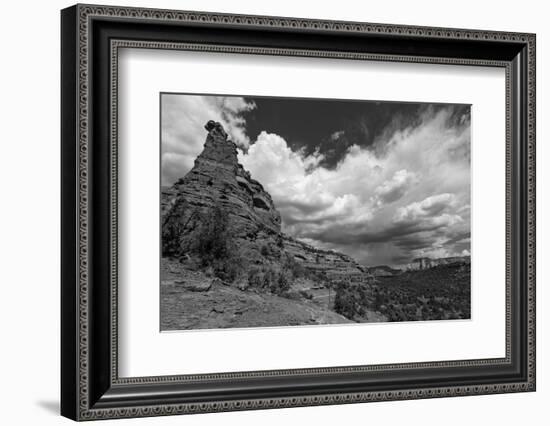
{"x": 90, "y": 386}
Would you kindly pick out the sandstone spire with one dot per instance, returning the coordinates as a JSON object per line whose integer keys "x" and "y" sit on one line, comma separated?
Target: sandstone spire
{"x": 217, "y": 180}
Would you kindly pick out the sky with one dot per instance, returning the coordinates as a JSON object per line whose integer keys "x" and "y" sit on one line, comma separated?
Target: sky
{"x": 384, "y": 182}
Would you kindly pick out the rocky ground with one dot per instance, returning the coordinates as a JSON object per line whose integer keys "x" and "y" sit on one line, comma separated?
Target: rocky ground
{"x": 192, "y": 300}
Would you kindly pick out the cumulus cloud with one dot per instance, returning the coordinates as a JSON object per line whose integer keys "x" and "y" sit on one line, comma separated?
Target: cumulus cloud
{"x": 406, "y": 196}
{"x": 429, "y": 207}
{"x": 395, "y": 188}
{"x": 182, "y": 128}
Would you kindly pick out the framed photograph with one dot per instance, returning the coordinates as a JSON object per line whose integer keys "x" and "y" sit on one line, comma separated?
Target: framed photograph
{"x": 263, "y": 212}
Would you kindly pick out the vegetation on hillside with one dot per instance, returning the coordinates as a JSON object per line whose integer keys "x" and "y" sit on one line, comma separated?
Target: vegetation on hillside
{"x": 441, "y": 292}
{"x": 438, "y": 293}
{"x": 350, "y": 300}
{"x": 172, "y": 232}
{"x": 216, "y": 248}
{"x": 276, "y": 276}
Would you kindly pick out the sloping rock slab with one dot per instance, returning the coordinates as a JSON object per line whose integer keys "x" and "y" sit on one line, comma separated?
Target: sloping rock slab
{"x": 204, "y": 285}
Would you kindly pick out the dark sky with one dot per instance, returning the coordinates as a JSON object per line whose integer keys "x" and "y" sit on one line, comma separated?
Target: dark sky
{"x": 384, "y": 182}
{"x": 315, "y": 123}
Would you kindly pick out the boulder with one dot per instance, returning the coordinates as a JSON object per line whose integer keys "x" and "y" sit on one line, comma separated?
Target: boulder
{"x": 203, "y": 285}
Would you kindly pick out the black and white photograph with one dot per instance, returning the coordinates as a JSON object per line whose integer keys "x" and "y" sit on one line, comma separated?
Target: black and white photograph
{"x": 264, "y": 207}
{"x": 299, "y": 212}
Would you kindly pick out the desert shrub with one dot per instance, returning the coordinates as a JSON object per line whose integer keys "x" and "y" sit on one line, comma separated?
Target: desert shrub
{"x": 213, "y": 239}
{"x": 292, "y": 295}
{"x": 269, "y": 277}
{"x": 295, "y": 268}
{"x": 344, "y": 302}
{"x": 280, "y": 283}
{"x": 379, "y": 299}
{"x": 209, "y": 271}
{"x": 255, "y": 277}
{"x": 215, "y": 246}
{"x": 173, "y": 228}
{"x": 319, "y": 277}
{"x": 306, "y": 295}
{"x": 264, "y": 250}
{"x": 349, "y": 300}
{"x": 227, "y": 269}
{"x": 172, "y": 232}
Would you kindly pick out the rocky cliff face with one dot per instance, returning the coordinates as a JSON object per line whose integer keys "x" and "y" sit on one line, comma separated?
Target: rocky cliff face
{"x": 218, "y": 180}
{"x": 422, "y": 263}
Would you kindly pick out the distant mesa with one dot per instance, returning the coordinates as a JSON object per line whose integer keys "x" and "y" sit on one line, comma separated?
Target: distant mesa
{"x": 422, "y": 263}
{"x": 383, "y": 271}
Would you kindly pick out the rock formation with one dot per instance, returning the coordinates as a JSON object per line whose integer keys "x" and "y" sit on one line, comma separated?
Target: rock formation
{"x": 422, "y": 263}
{"x": 217, "y": 180}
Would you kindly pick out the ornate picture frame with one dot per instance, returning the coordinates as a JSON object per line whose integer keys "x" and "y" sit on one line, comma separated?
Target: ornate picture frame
{"x": 91, "y": 38}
